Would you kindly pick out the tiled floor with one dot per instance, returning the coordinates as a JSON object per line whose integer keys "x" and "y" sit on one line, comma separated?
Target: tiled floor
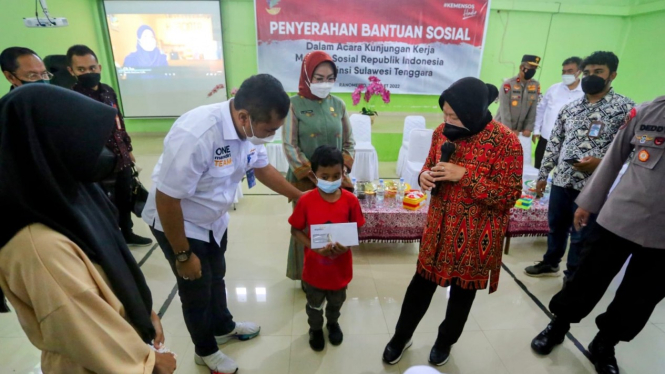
{"x": 496, "y": 337}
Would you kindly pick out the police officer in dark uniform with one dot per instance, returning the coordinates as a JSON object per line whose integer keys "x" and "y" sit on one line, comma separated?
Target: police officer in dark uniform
{"x": 629, "y": 225}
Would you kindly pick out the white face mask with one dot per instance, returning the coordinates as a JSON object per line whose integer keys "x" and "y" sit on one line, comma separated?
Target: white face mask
{"x": 253, "y": 139}
{"x": 321, "y": 90}
{"x": 568, "y": 79}
{"x": 328, "y": 187}
{"x": 148, "y": 43}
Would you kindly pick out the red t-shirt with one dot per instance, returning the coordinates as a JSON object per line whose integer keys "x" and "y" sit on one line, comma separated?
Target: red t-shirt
{"x": 322, "y": 272}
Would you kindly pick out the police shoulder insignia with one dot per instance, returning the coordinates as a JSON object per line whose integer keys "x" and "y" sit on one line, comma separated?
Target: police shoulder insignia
{"x": 629, "y": 117}
{"x": 506, "y": 88}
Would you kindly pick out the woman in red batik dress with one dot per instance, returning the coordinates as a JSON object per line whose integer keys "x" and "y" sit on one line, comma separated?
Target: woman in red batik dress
{"x": 468, "y": 215}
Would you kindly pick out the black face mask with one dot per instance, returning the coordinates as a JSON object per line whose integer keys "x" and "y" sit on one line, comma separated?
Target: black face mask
{"x": 593, "y": 84}
{"x": 529, "y": 73}
{"x": 453, "y": 132}
{"x": 104, "y": 167}
{"x": 42, "y": 81}
{"x": 89, "y": 80}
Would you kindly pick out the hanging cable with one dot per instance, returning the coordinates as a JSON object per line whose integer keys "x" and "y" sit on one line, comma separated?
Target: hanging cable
{"x": 46, "y": 14}
{"x": 39, "y": 22}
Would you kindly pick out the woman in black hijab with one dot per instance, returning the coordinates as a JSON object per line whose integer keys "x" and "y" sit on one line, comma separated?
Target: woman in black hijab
{"x": 468, "y": 214}
{"x": 64, "y": 266}
{"x": 147, "y": 52}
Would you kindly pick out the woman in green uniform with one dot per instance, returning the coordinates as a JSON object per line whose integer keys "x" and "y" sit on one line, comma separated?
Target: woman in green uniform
{"x": 316, "y": 118}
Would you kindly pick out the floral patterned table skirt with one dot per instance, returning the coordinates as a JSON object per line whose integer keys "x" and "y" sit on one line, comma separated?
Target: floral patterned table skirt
{"x": 531, "y": 222}
{"x": 388, "y": 222}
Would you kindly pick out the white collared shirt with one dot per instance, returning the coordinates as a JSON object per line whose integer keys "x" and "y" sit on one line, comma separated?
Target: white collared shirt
{"x": 549, "y": 107}
{"x": 203, "y": 162}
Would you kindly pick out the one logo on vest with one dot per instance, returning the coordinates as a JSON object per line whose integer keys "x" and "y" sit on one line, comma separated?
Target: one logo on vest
{"x": 223, "y": 156}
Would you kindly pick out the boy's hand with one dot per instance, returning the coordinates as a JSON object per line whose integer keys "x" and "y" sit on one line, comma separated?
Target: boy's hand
{"x": 340, "y": 249}
{"x": 327, "y": 251}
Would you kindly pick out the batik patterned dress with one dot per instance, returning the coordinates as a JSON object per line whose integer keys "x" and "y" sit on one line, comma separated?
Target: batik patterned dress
{"x": 467, "y": 220}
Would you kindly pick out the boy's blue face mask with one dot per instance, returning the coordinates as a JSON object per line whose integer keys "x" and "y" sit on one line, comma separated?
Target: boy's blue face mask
{"x": 329, "y": 187}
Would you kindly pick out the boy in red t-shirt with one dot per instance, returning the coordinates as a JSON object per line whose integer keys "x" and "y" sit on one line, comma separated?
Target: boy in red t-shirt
{"x": 326, "y": 271}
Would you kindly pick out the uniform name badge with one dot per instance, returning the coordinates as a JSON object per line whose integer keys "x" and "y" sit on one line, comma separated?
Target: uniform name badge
{"x": 251, "y": 178}
{"x": 595, "y": 129}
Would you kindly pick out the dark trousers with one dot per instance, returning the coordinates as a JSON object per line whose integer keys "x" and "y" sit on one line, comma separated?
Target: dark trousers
{"x": 540, "y": 151}
{"x": 315, "y": 299}
{"x": 561, "y": 213}
{"x": 640, "y": 291}
{"x": 203, "y": 300}
{"x": 119, "y": 190}
{"x": 416, "y": 302}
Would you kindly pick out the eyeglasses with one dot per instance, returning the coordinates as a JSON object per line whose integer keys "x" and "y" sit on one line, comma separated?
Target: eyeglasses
{"x": 32, "y": 77}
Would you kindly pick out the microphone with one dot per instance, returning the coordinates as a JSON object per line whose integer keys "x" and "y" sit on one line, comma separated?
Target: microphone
{"x": 447, "y": 150}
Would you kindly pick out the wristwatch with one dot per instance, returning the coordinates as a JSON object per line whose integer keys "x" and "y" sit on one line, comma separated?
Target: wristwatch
{"x": 183, "y": 256}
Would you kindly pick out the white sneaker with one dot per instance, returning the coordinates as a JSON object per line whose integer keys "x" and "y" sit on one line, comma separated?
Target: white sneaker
{"x": 243, "y": 331}
{"x": 218, "y": 363}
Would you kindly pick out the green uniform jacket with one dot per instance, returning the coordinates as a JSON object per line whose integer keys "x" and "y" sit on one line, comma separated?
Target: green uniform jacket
{"x": 310, "y": 124}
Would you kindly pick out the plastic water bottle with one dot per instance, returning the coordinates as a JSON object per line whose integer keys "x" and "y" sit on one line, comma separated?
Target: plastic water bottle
{"x": 355, "y": 186}
{"x": 380, "y": 191}
{"x": 401, "y": 189}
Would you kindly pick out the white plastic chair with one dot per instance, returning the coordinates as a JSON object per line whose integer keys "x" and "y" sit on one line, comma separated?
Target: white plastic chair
{"x": 420, "y": 141}
{"x": 276, "y": 155}
{"x": 366, "y": 163}
{"x": 529, "y": 173}
{"x": 410, "y": 123}
{"x": 526, "y": 148}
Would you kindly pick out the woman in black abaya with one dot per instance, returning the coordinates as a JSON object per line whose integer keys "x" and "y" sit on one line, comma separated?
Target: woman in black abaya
{"x": 64, "y": 266}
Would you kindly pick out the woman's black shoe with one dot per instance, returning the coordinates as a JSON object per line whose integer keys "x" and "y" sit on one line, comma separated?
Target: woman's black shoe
{"x": 439, "y": 356}
{"x": 392, "y": 355}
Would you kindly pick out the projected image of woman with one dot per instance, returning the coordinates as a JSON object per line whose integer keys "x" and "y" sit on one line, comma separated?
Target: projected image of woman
{"x": 147, "y": 54}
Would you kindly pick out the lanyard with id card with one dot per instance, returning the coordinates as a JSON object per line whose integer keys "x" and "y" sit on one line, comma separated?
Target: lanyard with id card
{"x": 595, "y": 129}
{"x": 251, "y": 178}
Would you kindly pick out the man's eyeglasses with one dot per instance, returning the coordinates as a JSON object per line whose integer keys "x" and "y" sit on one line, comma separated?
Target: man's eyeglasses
{"x": 32, "y": 77}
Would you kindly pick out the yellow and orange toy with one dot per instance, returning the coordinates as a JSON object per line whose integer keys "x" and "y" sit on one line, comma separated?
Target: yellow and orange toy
{"x": 414, "y": 200}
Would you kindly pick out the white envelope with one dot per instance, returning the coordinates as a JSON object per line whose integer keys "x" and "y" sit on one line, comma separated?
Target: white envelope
{"x": 345, "y": 234}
